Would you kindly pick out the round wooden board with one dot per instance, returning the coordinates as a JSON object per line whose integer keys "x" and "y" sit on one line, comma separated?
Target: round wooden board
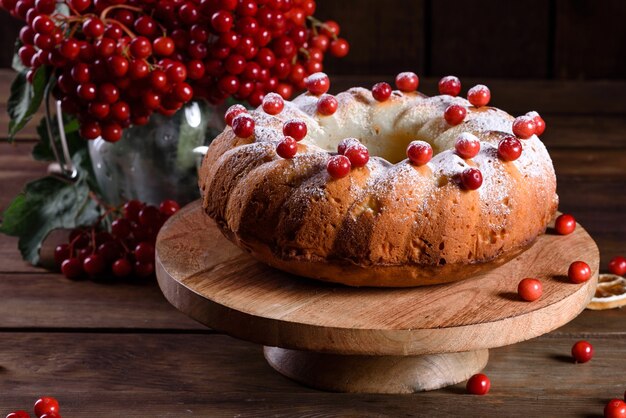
{"x": 213, "y": 281}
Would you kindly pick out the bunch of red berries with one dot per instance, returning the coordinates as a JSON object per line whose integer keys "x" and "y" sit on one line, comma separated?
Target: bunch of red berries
{"x": 126, "y": 248}
{"x": 45, "y": 407}
{"x": 118, "y": 61}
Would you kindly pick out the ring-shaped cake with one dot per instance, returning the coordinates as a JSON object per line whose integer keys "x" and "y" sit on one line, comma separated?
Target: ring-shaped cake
{"x": 388, "y": 220}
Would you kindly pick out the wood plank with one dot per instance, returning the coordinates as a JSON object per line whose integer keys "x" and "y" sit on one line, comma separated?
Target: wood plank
{"x": 51, "y": 301}
{"x": 371, "y": 27}
{"x": 579, "y": 24}
{"x": 481, "y": 39}
{"x": 104, "y": 375}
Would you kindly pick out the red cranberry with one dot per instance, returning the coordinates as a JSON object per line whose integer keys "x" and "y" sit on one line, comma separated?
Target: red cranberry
{"x": 407, "y": 82}
{"x": 338, "y": 166}
{"x": 509, "y": 149}
{"x": 529, "y": 289}
{"x": 582, "y": 351}
{"x": 467, "y": 145}
{"x": 273, "y": 103}
{"x": 617, "y": 265}
{"x": 478, "y": 384}
{"x": 317, "y": 83}
{"x": 243, "y": 125}
{"x": 295, "y": 128}
{"x": 479, "y": 95}
{"x": 46, "y": 405}
{"x": 346, "y": 143}
{"x": 232, "y": 112}
{"x": 358, "y": 155}
{"x": 287, "y": 148}
{"x": 540, "y": 124}
{"x": 450, "y": 85}
{"x": 616, "y": 408}
{"x": 524, "y": 127}
{"x": 419, "y": 152}
{"x": 327, "y": 105}
{"x": 471, "y": 178}
{"x": 565, "y": 224}
{"x": 579, "y": 272}
{"x": 381, "y": 91}
{"x": 454, "y": 114}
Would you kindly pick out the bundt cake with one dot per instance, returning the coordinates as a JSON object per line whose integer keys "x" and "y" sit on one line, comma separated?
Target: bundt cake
{"x": 380, "y": 187}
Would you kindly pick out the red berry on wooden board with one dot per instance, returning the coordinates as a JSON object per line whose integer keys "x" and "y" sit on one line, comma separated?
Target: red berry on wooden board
{"x": 295, "y": 128}
{"x": 93, "y": 265}
{"x": 582, "y": 351}
{"x": 419, "y": 152}
{"x": 509, "y": 149}
{"x": 454, "y": 114}
{"x": 565, "y": 224}
{"x": 479, "y": 95}
{"x": 616, "y": 408}
{"x": 530, "y": 289}
{"x": 479, "y": 384}
{"x": 579, "y": 272}
{"x": 450, "y": 85}
{"x": 381, "y": 91}
{"x": 338, "y": 166}
{"x": 46, "y": 405}
{"x": 122, "y": 267}
{"x": 72, "y": 268}
{"x": 471, "y": 179}
{"x": 407, "y": 82}
{"x": 18, "y": 414}
{"x": 317, "y": 83}
{"x": 467, "y": 145}
{"x": 617, "y": 265}
{"x": 524, "y": 127}
{"x": 287, "y": 148}
{"x": 327, "y": 105}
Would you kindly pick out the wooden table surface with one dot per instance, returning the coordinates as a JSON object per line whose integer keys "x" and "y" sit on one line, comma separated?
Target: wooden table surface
{"x": 122, "y": 350}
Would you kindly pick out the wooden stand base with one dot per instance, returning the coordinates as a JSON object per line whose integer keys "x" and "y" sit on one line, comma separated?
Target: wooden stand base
{"x": 380, "y": 340}
{"x": 376, "y": 374}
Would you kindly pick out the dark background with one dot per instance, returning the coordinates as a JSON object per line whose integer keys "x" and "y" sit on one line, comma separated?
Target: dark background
{"x": 532, "y": 39}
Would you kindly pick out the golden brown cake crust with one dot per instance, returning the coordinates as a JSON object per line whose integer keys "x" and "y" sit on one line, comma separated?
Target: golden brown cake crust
{"x": 384, "y": 224}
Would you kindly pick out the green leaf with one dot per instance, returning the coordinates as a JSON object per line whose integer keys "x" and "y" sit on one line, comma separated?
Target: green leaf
{"x": 16, "y": 64}
{"x": 25, "y": 99}
{"x": 46, "y": 204}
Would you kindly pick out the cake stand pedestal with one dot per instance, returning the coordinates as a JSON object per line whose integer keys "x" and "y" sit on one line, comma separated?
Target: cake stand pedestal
{"x": 374, "y": 340}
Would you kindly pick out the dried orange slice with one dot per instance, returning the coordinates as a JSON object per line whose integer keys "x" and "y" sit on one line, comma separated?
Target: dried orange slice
{"x": 610, "y": 293}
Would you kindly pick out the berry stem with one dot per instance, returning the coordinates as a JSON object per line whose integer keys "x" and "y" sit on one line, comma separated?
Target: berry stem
{"x": 125, "y": 28}
{"x": 106, "y": 11}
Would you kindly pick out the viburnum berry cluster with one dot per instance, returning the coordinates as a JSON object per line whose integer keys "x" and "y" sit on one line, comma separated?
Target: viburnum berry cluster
{"x": 125, "y": 248}
{"x": 118, "y": 61}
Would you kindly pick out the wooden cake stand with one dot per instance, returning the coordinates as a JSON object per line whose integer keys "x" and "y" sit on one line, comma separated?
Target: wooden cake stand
{"x": 376, "y": 340}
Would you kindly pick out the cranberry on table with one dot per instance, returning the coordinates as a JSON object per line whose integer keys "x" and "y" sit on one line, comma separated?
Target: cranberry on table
{"x": 617, "y": 265}
{"x": 72, "y": 268}
{"x": 381, "y": 91}
{"x": 407, "y": 81}
{"x": 579, "y": 272}
{"x": 479, "y": 95}
{"x": 509, "y": 149}
{"x": 93, "y": 265}
{"x": 46, "y": 405}
{"x": 18, "y": 414}
{"x": 450, "y": 85}
{"x": 338, "y": 166}
{"x": 616, "y": 408}
{"x": 454, "y": 114}
{"x": 565, "y": 224}
{"x": 419, "y": 152}
{"x": 478, "y": 384}
{"x": 582, "y": 351}
{"x": 530, "y": 289}
{"x": 122, "y": 267}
